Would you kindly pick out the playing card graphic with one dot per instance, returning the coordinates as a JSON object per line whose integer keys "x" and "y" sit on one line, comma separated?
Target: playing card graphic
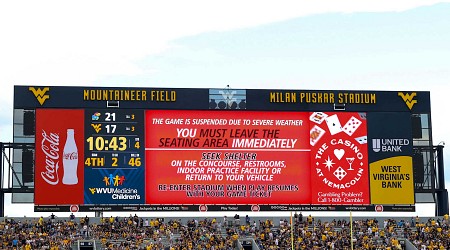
{"x": 351, "y": 126}
{"x": 318, "y": 117}
{"x": 315, "y": 134}
{"x": 362, "y": 139}
{"x": 334, "y": 126}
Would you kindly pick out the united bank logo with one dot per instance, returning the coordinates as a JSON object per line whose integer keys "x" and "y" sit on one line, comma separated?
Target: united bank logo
{"x": 408, "y": 99}
{"x": 389, "y": 145}
{"x": 40, "y": 94}
{"x": 376, "y": 145}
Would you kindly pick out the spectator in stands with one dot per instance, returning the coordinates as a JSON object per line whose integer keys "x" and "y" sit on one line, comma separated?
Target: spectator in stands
{"x": 86, "y": 220}
{"x": 310, "y": 220}
{"x": 236, "y": 220}
{"x": 53, "y": 217}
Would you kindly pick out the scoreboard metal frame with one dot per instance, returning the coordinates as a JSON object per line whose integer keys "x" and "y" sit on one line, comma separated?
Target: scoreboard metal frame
{"x": 116, "y": 140}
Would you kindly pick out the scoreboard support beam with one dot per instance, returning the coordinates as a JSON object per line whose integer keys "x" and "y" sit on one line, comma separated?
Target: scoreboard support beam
{"x": 442, "y": 206}
{"x": 7, "y": 172}
{"x": 2, "y": 193}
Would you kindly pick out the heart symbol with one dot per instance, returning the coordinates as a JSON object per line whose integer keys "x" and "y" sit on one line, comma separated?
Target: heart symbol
{"x": 339, "y": 153}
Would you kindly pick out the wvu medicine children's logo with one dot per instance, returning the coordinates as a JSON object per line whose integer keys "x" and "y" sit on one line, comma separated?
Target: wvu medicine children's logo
{"x": 114, "y": 180}
{"x": 111, "y": 181}
{"x": 408, "y": 99}
{"x": 40, "y": 94}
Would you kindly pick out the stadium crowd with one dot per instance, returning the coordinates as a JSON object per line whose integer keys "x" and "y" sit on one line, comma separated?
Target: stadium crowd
{"x": 307, "y": 232}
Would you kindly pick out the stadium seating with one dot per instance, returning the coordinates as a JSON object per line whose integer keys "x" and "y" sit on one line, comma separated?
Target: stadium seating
{"x": 307, "y": 232}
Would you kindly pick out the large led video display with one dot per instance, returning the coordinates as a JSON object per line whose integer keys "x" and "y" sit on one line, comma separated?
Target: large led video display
{"x": 203, "y": 157}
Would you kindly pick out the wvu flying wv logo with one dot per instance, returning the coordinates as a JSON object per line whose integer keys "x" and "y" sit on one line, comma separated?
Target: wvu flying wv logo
{"x": 92, "y": 190}
{"x": 408, "y": 99}
{"x": 97, "y": 127}
{"x": 40, "y": 94}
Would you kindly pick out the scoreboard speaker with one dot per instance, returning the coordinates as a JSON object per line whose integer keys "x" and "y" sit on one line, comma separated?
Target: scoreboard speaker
{"x": 247, "y": 245}
{"x": 27, "y": 166}
{"x": 416, "y": 126}
{"x": 28, "y": 123}
{"x": 418, "y": 167}
{"x": 86, "y": 245}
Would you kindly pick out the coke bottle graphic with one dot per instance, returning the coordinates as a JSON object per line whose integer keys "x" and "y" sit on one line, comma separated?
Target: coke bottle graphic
{"x": 70, "y": 159}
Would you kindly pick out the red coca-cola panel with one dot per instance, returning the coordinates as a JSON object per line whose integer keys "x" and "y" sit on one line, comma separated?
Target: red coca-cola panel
{"x": 59, "y": 173}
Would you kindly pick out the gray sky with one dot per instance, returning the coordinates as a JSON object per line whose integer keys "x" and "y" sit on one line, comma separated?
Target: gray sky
{"x": 353, "y": 45}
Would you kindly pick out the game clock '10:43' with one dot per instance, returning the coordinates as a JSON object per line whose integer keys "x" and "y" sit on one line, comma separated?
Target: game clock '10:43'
{"x": 114, "y": 143}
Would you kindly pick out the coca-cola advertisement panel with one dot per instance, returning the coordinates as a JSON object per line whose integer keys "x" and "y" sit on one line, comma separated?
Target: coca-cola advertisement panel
{"x": 59, "y": 173}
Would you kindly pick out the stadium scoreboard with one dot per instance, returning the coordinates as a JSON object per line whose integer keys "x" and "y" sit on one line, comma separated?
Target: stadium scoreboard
{"x": 155, "y": 149}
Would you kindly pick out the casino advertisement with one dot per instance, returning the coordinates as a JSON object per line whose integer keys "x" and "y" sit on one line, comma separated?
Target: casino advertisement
{"x": 339, "y": 158}
{"x": 216, "y": 157}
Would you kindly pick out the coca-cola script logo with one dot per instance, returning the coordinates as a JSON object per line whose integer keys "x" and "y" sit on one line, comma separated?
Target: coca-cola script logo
{"x": 50, "y": 148}
{"x": 71, "y": 156}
